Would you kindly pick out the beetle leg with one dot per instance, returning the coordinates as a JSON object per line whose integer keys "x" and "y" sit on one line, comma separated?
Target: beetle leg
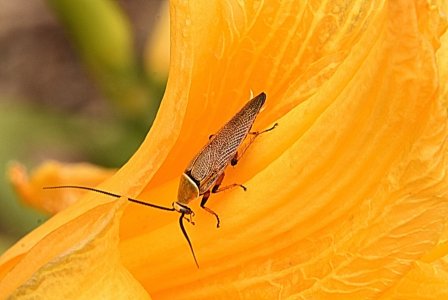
{"x": 203, "y": 201}
{"x": 235, "y": 159}
{"x": 216, "y": 189}
{"x": 257, "y": 133}
{"x": 240, "y": 153}
{"x": 190, "y": 218}
{"x": 207, "y": 194}
{"x": 230, "y": 186}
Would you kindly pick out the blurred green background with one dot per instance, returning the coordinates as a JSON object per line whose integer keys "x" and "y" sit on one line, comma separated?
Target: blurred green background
{"x": 80, "y": 80}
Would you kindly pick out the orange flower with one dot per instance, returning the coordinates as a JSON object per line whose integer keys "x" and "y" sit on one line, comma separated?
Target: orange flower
{"x": 31, "y": 192}
{"x": 347, "y": 198}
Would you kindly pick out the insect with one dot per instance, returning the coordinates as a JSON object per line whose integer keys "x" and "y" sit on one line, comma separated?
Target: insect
{"x": 205, "y": 173}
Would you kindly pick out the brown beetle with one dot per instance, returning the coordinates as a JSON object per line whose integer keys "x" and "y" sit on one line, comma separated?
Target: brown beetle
{"x": 205, "y": 172}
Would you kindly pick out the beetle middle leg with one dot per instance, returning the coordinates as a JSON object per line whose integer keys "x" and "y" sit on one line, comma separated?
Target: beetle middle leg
{"x": 239, "y": 154}
{"x": 216, "y": 189}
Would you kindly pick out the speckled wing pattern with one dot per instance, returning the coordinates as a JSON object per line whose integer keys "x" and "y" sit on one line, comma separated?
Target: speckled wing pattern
{"x": 211, "y": 161}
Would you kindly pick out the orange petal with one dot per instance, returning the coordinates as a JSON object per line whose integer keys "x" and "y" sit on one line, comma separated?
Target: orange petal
{"x": 348, "y": 192}
{"x": 442, "y": 62}
{"x": 345, "y": 198}
{"x": 423, "y": 281}
{"x": 53, "y": 173}
{"x": 157, "y": 52}
{"x": 79, "y": 260}
{"x": 428, "y": 277}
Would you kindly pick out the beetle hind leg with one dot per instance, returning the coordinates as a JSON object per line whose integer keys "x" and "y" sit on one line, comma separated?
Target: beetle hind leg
{"x": 257, "y": 133}
{"x": 240, "y": 153}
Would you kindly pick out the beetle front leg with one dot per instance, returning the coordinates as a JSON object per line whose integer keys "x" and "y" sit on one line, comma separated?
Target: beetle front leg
{"x": 203, "y": 202}
{"x": 207, "y": 195}
{"x": 190, "y": 218}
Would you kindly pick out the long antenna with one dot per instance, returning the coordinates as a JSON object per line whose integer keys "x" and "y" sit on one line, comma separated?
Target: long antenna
{"x": 107, "y": 193}
{"x": 181, "y": 223}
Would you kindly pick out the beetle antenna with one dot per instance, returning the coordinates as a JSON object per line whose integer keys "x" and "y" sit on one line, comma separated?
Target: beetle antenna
{"x": 108, "y": 194}
{"x": 181, "y": 223}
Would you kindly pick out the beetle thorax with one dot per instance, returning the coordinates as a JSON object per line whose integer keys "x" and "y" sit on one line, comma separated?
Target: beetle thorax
{"x": 188, "y": 190}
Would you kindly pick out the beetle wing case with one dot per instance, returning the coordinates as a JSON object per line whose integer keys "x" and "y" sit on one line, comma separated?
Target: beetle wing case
{"x": 211, "y": 161}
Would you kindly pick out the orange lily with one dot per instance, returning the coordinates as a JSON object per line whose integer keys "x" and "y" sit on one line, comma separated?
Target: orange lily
{"x": 347, "y": 198}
